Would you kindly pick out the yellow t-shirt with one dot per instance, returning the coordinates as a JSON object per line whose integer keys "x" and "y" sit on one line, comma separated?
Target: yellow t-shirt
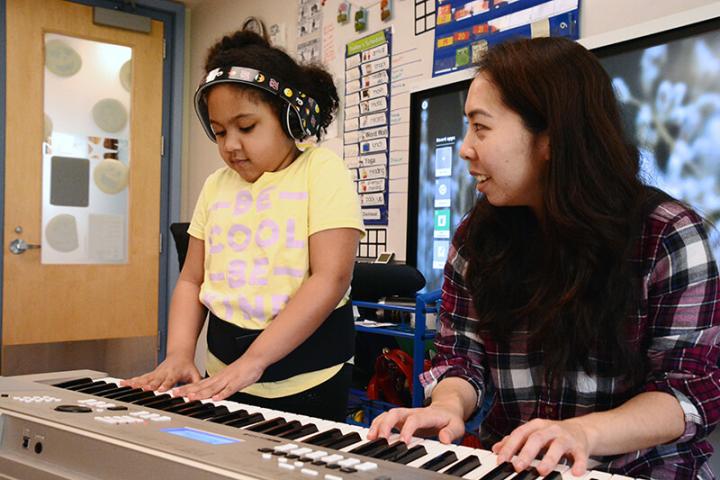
{"x": 256, "y": 244}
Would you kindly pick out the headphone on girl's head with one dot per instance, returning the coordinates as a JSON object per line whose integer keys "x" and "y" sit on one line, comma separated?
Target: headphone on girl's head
{"x": 301, "y": 113}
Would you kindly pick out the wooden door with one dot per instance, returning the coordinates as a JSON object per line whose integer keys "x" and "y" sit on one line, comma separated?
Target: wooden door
{"x": 63, "y": 316}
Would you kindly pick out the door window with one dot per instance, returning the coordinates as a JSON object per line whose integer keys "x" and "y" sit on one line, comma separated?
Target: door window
{"x": 86, "y": 145}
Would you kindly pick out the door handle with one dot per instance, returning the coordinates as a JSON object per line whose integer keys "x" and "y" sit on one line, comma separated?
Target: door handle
{"x": 19, "y": 246}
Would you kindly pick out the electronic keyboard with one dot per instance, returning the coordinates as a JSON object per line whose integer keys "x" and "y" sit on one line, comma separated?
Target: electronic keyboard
{"x": 82, "y": 424}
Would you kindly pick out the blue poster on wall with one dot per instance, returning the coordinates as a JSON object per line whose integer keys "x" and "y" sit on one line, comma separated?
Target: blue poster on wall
{"x": 465, "y": 29}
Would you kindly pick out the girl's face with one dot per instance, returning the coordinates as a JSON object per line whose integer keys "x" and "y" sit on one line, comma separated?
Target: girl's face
{"x": 249, "y": 136}
{"x": 505, "y": 158}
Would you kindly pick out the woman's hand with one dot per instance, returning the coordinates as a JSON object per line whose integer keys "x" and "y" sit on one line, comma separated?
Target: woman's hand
{"x": 557, "y": 439}
{"x": 228, "y": 381}
{"x": 437, "y": 419}
{"x": 170, "y": 372}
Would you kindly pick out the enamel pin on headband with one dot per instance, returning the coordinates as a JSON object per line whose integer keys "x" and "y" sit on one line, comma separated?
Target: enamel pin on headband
{"x": 301, "y": 115}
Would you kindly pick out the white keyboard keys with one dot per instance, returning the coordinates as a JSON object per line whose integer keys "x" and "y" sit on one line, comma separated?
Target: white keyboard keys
{"x": 593, "y": 474}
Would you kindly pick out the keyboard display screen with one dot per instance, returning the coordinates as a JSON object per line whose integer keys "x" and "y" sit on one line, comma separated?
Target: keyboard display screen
{"x": 200, "y": 436}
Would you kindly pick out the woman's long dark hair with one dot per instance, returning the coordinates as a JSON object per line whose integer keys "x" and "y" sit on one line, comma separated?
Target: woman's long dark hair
{"x": 568, "y": 274}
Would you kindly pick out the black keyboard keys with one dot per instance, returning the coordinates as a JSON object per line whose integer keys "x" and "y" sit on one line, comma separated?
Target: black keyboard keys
{"x": 162, "y": 403}
{"x": 132, "y": 397}
{"x": 466, "y": 465}
{"x": 371, "y": 448}
{"x": 121, "y": 392}
{"x": 347, "y": 439}
{"x": 440, "y": 462}
{"x": 281, "y": 428}
{"x": 68, "y": 385}
{"x": 83, "y": 386}
{"x": 245, "y": 421}
{"x": 95, "y": 387}
{"x": 418, "y": 451}
{"x": 116, "y": 390}
{"x": 262, "y": 427}
{"x": 152, "y": 400}
{"x": 301, "y": 432}
{"x": 504, "y": 470}
{"x": 229, "y": 417}
{"x": 325, "y": 438}
{"x": 209, "y": 412}
{"x": 394, "y": 451}
{"x": 181, "y": 407}
{"x": 529, "y": 474}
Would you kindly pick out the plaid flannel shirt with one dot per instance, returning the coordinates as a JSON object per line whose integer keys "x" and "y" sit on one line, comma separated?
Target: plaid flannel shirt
{"x": 679, "y": 319}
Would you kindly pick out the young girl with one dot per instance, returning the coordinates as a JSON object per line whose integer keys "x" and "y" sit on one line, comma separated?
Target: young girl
{"x": 272, "y": 242}
{"x": 586, "y": 301}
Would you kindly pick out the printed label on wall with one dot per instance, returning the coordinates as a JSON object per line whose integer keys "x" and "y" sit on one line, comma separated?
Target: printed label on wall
{"x": 368, "y": 95}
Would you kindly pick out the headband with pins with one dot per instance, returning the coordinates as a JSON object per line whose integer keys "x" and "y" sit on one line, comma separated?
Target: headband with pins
{"x": 301, "y": 115}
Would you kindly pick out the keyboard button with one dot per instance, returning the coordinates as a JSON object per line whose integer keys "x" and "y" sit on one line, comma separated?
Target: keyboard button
{"x": 366, "y": 467}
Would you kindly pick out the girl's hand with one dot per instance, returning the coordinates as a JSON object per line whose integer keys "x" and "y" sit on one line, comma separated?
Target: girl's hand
{"x": 557, "y": 439}
{"x": 229, "y": 381}
{"x": 170, "y": 372}
{"x": 435, "y": 419}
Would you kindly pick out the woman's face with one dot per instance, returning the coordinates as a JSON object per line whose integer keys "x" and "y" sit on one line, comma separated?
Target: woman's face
{"x": 506, "y": 159}
{"x": 249, "y": 136}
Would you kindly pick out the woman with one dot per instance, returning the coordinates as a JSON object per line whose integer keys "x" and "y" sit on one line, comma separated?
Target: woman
{"x": 585, "y": 299}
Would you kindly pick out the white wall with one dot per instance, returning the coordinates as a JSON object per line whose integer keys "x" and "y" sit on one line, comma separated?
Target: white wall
{"x": 212, "y": 18}
{"x": 600, "y": 16}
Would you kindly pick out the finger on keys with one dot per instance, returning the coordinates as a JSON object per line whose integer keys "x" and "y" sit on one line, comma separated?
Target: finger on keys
{"x": 411, "y": 423}
{"x": 192, "y": 391}
{"x": 383, "y": 424}
{"x": 130, "y": 382}
{"x": 208, "y": 388}
{"x": 498, "y": 446}
{"x": 552, "y": 457}
{"x": 167, "y": 384}
{"x": 223, "y": 394}
{"x": 446, "y": 435}
{"x": 416, "y": 421}
{"x": 512, "y": 443}
{"x": 531, "y": 449}
{"x": 182, "y": 391}
{"x": 141, "y": 382}
{"x": 580, "y": 464}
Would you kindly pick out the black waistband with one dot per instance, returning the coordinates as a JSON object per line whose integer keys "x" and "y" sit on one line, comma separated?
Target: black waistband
{"x": 332, "y": 343}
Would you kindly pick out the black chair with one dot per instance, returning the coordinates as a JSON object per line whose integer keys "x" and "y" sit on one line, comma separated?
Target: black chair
{"x": 181, "y": 236}
{"x": 370, "y": 283}
{"x": 373, "y": 281}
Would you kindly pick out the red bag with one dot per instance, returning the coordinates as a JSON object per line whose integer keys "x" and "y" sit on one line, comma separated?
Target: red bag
{"x": 393, "y": 378}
